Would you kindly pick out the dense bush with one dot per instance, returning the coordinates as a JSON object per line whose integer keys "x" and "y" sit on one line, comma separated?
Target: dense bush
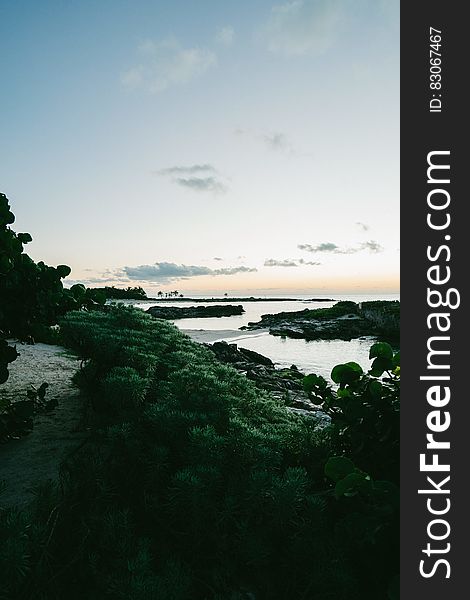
{"x": 32, "y": 296}
{"x": 129, "y": 293}
{"x": 197, "y": 486}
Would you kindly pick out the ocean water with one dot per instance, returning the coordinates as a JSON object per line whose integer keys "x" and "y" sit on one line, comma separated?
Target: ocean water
{"x": 318, "y": 356}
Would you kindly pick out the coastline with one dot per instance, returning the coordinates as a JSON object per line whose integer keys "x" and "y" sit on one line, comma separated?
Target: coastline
{"x": 207, "y": 336}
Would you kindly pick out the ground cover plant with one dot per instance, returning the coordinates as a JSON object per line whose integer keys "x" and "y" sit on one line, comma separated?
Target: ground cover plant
{"x": 197, "y": 485}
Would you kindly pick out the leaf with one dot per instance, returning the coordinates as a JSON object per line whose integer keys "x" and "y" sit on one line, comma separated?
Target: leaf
{"x": 375, "y": 389}
{"x": 354, "y": 410}
{"x": 63, "y": 271}
{"x": 7, "y": 353}
{"x": 24, "y": 238}
{"x": 381, "y": 350}
{"x": 380, "y": 365}
{"x": 396, "y": 359}
{"x": 346, "y": 373}
{"x": 338, "y": 467}
{"x": 352, "y": 484}
{"x": 312, "y": 382}
{"x": 78, "y": 291}
{"x": 3, "y": 374}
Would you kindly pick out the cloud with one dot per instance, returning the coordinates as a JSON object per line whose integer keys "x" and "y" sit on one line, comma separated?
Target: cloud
{"x": 190, "y": 170}
{"x": 372, "y": 246}
{"x": 287, "y": 262}
{"x": 271, "y": 262}
{"x": 277, "y": 141}
{"x": 108, "y": 276}
{"x": 202, "y": 184}
{"x": 324, "y": 247}
{"x": 166, "y": 63}
{"x": 329, "y": 247}
{"x": 165, "y": 271}
{"x": 234, "y": 270}
{"x": 303, "y": 26}
{"x": 198, "y": 177}
{"x": 363, "y": 226}
{"x": 217, "y": 258}
{"x": 225, "y": 36}
{"x": 274, "y": 140}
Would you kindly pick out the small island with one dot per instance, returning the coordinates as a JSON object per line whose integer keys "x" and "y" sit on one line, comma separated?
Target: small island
{"x": 194, "y": 312}
{"x": 345, "y": 321}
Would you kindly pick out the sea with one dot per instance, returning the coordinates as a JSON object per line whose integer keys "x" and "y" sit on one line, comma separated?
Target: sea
{"x": 319, "y": 356}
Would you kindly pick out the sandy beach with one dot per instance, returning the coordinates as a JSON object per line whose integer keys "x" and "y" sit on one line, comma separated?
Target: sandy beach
{"x": 204, "y": 336}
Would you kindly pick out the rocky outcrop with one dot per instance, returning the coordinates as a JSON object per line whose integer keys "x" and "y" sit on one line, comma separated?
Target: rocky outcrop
{"x": 284, "y": 384}
{"x": 345, "y": 321}
{"x": 195, "y": 312}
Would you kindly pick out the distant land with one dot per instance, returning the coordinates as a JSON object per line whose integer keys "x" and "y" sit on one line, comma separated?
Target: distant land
{"x": 238, "y": 299}
{"x": 138, "y": 293}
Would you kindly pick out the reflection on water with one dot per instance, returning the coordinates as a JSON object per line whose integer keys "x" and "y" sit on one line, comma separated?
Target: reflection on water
{"x": 318, "y": 356}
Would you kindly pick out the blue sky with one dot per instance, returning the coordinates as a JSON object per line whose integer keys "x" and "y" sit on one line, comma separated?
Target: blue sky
{"x": 205, "y": 146}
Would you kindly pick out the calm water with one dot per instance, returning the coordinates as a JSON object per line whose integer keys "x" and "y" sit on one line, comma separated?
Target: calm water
{"x": 312, "y": 357}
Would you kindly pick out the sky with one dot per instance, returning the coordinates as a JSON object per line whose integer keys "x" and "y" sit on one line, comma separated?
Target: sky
{"x": 205, "y": 146}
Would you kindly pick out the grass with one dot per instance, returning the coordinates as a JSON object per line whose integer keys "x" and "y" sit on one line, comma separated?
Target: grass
{"x": 194, "y": 485}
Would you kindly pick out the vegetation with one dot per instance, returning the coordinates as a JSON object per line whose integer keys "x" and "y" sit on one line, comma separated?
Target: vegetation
{"x": 174, "y": 294}
{"x": 129, "y": 293}
{"x": 16, "y": 418}
{"x": 32, "y": 299}
{"x": 33, "y": 296}
{"x": 197, "y": 485}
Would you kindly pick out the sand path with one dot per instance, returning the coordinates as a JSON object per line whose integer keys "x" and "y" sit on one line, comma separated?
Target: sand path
{"x": 35, "y": 458}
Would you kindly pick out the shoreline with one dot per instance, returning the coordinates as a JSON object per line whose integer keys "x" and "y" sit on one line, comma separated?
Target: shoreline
{"x": 209, "y": 336}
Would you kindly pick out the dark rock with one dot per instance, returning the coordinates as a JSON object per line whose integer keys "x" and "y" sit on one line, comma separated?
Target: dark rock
{"x": 256, "y": 358}
{"x": 345, "y": 321}
{"x": 283, "y": 384}
{"x": 194, "y": 312}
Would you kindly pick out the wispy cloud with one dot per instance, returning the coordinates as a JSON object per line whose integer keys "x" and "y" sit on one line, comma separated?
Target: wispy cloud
{"x": 165, "y": 271}
{"x": 188, "y": 170}
{"x": 166, "y": 63}
{"x": 277, "y": 141}
{"x": 202, "y": 184}
{"x": 329, "y": 247}
{"x": 198, "y": 177}
{"x": 363, "y": 226}
{"x": 372, "y": 246}
{"x": 273, "y": 140}
{"x": 323, "y": 247}
{"x": 303, "y": 26}
{"x": 288, "y": 262}
{"x": 272, "y": 262}
{"x": 225, "y": 36}
{"x": 312, "y": 263}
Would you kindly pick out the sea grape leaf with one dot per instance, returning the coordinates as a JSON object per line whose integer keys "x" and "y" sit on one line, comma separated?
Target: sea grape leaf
{"x": 346, "y": 373}
{"x": 338, "y": 467}
{"x": 381, "y": 350}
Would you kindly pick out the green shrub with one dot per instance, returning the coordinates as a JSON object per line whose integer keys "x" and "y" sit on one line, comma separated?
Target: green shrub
{"x": 123, "y": 389}
{"x": 204, "y": 487}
